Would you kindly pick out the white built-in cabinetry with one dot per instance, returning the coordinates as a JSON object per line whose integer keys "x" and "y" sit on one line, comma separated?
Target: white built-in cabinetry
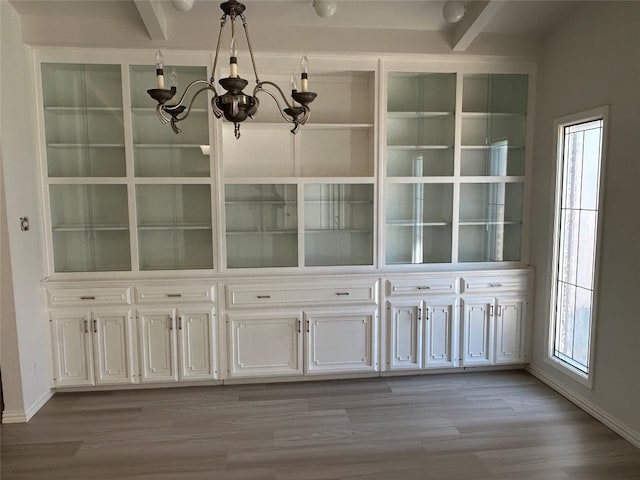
{"x": 103, "y": 336}
{"x": 387, "y": 236}
{"x": 293, "y": 329}
{"x": 449, "y": 321}
{"x": 495, "y": 325}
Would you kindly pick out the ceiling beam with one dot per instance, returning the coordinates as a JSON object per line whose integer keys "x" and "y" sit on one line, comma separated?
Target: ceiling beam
{"x": 153, "y": 18}
{"x": 477, "y": 16}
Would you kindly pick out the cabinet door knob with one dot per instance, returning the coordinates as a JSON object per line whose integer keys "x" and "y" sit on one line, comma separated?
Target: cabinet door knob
{"x": 95, "y": 326}
{"x": 86, "y": 326}
{"x": 180, "y": 322}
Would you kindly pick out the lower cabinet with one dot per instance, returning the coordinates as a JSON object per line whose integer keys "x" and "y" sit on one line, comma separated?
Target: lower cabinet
{"x": 339, "y": 342}
{"x": 494, "y": 331}
{"x": 92, "y": 347}
{"x": 265, "y": 345}
{"x": 423, "y": 333}
{"x": 176, "y": 344}
{"x": 297, "y": 343}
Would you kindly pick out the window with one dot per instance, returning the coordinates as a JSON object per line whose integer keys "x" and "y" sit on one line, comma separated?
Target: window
{"x": 578, "y": 199}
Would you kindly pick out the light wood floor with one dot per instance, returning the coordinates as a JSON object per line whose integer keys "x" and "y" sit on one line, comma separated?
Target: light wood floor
{"x": 471, "y": 426}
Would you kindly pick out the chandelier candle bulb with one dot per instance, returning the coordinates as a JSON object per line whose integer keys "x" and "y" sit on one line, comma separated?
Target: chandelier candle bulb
{"x": 160, "y": 69}
{"x": 294, "y": 89}
{"x": 304, "y": 67}
{"x": 233, "y": 59}
{"x": 174, "y": 79}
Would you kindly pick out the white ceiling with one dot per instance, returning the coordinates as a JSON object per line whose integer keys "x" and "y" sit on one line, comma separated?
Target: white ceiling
{"x": 118, "y": 23}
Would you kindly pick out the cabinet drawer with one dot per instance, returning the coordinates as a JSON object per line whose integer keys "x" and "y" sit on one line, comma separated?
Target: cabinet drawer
{"x": 495, "y": 284}
{"x": 238, "y": 295}
{"x": 422, "y": 286}
{"x": 66, "y": 297}
{"x": 175, "y": 294}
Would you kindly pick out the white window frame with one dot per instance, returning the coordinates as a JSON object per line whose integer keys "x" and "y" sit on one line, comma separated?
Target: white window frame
{"x": 598, "y": 113}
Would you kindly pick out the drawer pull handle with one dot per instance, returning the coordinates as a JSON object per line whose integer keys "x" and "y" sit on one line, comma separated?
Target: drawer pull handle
{"x": 424, "y": 288}
{"x": 495, "y": 284}
{"x": 264, "y": 296}
{"x": 88, "y": 297}
{"x": 174, "y": 295}
{"x": 342, "y": 293}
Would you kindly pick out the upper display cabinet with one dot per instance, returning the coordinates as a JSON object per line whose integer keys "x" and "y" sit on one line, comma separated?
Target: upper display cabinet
{"x": 454, "y": 167}
{"x": 85, "y": 142}
{"x": 304, "y": 200}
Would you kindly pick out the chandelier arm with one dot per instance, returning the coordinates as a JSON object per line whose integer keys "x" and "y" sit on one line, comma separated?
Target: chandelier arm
{"x": 164, "y": 118}
{"x": 178, "y": 118}
{"x": 246, "y": 34}
{"x": 223, "y": 22}
{"x": 259, "y": 87}
{"x": 280, "y": 109}
{"x": 209, "y": 86}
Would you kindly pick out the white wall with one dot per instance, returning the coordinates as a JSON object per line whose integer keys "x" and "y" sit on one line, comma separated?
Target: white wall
{"x": 18, "y": 140}
{"x": 594, "y": 59}
{"x": 11, "y": 370}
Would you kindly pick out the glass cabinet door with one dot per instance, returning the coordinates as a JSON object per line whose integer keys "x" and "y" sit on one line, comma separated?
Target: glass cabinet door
{"x": 90, "y": 228}
{"x": 157, "y": 151}
{"x": 490, "y": 222}
{"x": 261, "y": 225}
{"x": 174, "y": 227}
{"x": 494, "y": 113}
{"x": 419, "y": 223}
{"x": 493, "y": 148}
{"x": 420, "y": 124}
{"x": 83, "y": 117}
{"x": 338, "y": 224}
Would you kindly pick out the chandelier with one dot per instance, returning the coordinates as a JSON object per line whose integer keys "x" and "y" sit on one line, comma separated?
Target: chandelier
{"x": 232, "y": 103}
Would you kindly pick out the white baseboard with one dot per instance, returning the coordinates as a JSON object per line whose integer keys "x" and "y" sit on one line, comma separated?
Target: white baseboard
{"x": 613, "y": 423}
{"x": 23, "y": 416}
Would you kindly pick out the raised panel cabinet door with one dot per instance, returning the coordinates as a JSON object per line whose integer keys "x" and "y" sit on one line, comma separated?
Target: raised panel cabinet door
{"x": 196, "y": 345}
{"x": 440, "y": 334}
{"x": 264, "y": 346}
{"x": 112, "y": 347}
{"x": 158, "y": 346}
{"x": 339, "y": 342}
{"x": 405, "y": 347}
{"x": 73, "y": 351}
{"x": 510, "y": 329}
{"x": 478, "y": 329}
